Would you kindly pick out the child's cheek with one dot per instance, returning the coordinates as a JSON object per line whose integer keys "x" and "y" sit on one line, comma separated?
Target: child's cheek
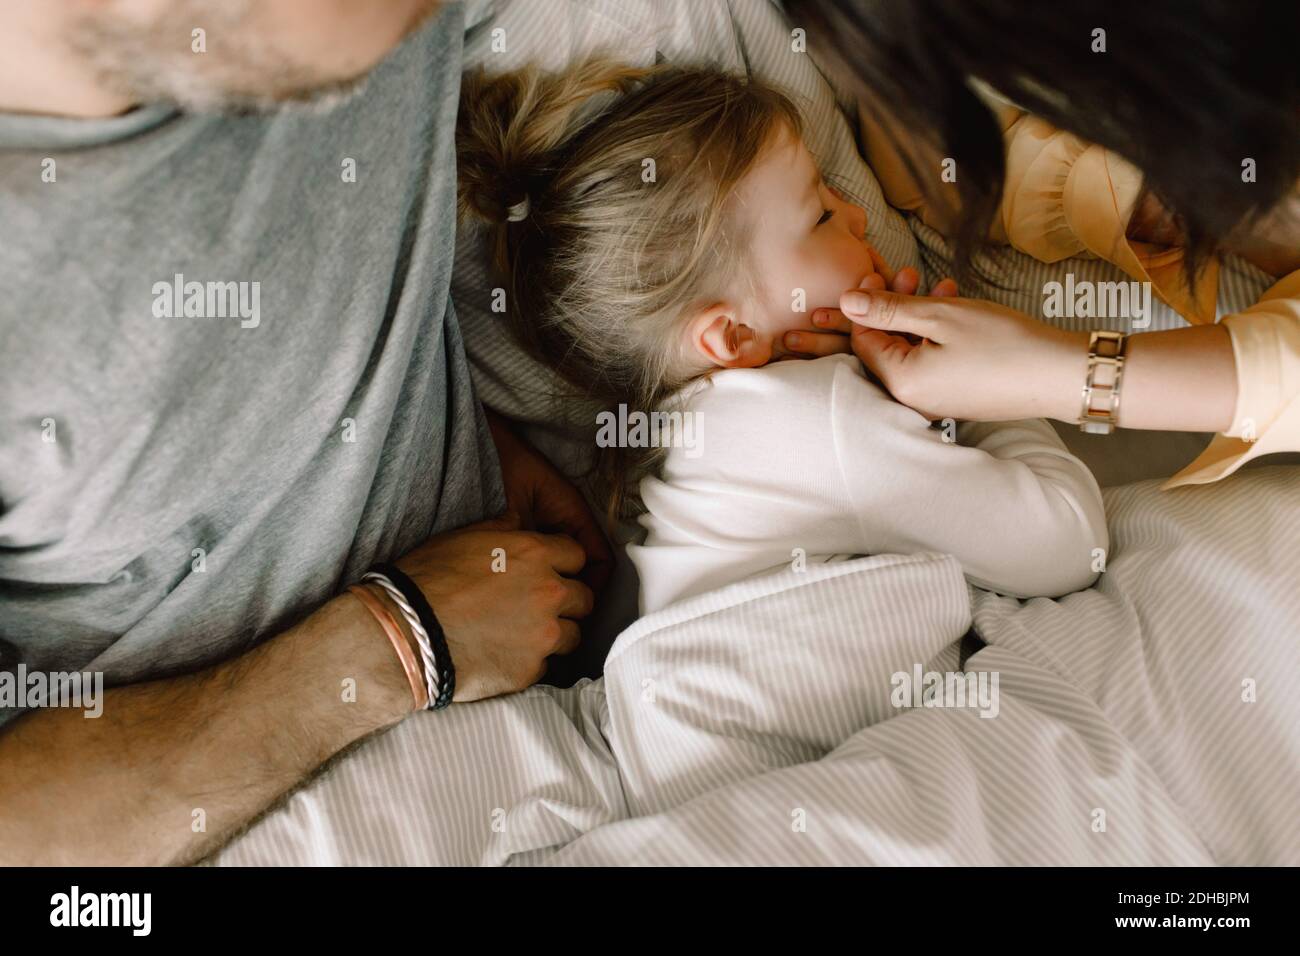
{"x": 841, "y": 266}
{"x": 855, "y": 260}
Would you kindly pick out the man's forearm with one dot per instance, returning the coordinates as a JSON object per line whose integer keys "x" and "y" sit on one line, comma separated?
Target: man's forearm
{"x": 173, "y": 767}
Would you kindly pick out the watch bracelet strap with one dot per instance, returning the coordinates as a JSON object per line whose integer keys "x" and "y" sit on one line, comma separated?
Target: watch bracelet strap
{"x": 1101, "y": 392}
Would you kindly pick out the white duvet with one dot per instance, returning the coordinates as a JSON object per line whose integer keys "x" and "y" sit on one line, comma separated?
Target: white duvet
{"x": 1151, "y": 719}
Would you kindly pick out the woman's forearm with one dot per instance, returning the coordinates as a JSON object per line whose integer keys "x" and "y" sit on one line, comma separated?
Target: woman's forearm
{"x": 1176, "y": 380}
{"x": 1179, "y": 380}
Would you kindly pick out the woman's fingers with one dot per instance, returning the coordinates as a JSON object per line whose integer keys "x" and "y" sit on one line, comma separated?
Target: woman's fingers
{"x": 881, "y": 265}
{"x": 832, "y": 320}
{"x": 882, "y": 353}
{"x": 817, "y": 344}
{"x": 891, "y": 312}
{"x": 906, "y": 281}
{"x": 833, "y": 325}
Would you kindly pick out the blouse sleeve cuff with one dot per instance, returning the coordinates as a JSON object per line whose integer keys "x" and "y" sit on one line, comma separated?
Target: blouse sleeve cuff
{"x": 1266, "y": 419}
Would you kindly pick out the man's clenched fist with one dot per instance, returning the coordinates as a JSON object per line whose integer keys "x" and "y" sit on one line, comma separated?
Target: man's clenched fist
{"x": 504, "y": 612}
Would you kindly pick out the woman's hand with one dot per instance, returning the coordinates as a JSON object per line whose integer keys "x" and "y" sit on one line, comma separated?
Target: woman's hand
{"x": 1151, "y": 222}
{"x": 975, "y": 360}
{"x": 835, "y": 339}
{"x": 1271, "y": 242}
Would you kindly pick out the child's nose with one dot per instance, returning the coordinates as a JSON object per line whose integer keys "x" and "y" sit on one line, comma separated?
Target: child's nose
{"x": 857, "y": 216}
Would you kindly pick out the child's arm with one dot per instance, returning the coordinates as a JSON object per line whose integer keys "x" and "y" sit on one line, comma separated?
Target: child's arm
{"x": 1022, "y": 515}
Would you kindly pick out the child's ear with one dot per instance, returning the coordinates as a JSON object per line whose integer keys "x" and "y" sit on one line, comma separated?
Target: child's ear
{"x": 718, "y": 335}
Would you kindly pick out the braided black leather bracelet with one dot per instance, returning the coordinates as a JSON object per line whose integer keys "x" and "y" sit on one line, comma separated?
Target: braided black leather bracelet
{"x": 438, "y": 639}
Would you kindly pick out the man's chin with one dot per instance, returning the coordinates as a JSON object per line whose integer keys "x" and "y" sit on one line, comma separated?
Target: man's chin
{"x": 251, "y": 76}
{"x": 316, "y": 97}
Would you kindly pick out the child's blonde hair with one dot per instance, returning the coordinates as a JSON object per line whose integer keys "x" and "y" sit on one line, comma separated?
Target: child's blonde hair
{"x": 609, "y": 217}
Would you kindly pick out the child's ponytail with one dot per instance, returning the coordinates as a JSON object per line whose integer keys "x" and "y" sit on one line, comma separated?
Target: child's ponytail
{"x": 512, "y": 125}
{"x": 511, "y": 132}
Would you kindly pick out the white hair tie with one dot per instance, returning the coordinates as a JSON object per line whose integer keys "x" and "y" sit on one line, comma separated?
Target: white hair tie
{"x": 518, "y": 212}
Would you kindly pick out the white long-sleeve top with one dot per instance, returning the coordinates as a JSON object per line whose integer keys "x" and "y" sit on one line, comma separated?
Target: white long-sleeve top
{"x": 812, "y": 455}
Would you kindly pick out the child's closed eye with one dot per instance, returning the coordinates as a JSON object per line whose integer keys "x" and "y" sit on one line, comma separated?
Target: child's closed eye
{"x": 826, "y": 215}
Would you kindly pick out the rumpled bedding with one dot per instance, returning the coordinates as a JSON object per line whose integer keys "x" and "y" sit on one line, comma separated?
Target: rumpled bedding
{"x": 1149, "y": 720}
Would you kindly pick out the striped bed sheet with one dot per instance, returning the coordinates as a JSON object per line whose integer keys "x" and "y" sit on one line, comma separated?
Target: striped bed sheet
{"x": 1151, "y": 719}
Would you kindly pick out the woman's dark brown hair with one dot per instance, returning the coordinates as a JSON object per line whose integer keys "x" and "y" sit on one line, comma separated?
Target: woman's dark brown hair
{"x": 1186, "y": 90}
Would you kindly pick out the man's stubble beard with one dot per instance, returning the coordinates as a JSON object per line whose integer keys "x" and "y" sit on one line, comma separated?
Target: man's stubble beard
{"x": 239, "y": 73}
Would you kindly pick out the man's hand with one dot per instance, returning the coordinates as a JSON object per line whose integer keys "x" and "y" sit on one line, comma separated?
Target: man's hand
{"x": 546, "y": 501}
{"x": 505, "y": 590}
{"x": 505, "y": 598}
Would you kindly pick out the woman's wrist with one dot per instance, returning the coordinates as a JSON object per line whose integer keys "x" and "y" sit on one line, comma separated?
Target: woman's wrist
{"x": 1067, "y": 370}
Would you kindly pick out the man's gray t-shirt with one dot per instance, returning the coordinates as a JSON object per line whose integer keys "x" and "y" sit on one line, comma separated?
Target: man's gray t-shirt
{"x": 176, "y": 485}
